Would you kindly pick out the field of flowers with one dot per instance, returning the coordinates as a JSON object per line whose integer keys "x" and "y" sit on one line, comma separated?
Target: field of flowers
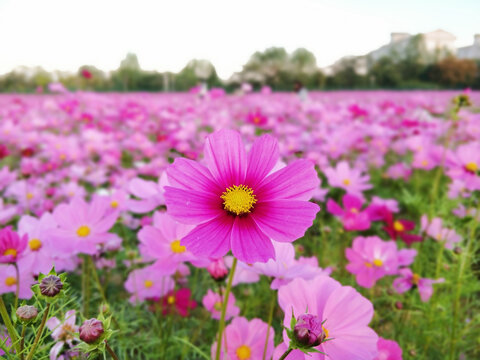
{"x": 340, "y": 226}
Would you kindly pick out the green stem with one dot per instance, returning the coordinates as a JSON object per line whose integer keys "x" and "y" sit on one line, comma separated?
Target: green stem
{"x": 270, "y": 317}
{"x": 110, "y": 351}
{"x": 97, "y": 279}
{"x": 39, "y": 333}
{"x": 456, "y": 302}
{"x": 221, "y": 324}
{"x": 22, "y": 341}
{"x": 8, "y": 323}
{"x": 86, "y": 290}
{"x": 17, "y": 290}
{"x": 285, "y": 354}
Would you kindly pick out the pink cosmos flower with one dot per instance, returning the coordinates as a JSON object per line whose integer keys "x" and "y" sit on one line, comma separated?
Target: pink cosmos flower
{"x": 7, "y": 212}
{"x": 378, "y": 206}
{"x": 148, "y": 283}
{"x": 436, "y": 231}
{"x": 346, "y": 314}
{"x": 408, "y": 279}
{"x": 347, "y": 178}
{"x": 162, "y": 243}
{"x": 39, "y": 255}
{"x": 464, "y": 164}
{"x": 234, "y": 201}
{"x": 9, "y": 280}
{"x": 63, "y": 332}
{"x": 399, "y": 228}
{"x": 244, "y": 273}
{"x": 257, "y": 118}
{"x": 82, "y": 226}
{"x": 399, "y": 171}
{"x": 388, "y": 350}
{"x": 218, "y": 269}
{"x": 12, "y": 246}
{"x": 352, "y": 216}
{"x": 212, "y": 301}
{"x": 245, "y": 340}
{"x": 178, "y": 301}
{"x": 6, "y": 177}
{"x": 151, "y": 194}
{"x": 285, "y": 267}
{"x": 370, "y": 258}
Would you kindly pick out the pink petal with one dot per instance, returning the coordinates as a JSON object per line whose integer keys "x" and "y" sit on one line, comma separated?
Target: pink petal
{"x": 261, "y": 159}
{"x": 211, "y": 238}
{"x": 285, "y": 220}
{"x": 297, "y": 181}
{"x": 191, "y": 175}
{"x": 226, "y": 158}
{"x": 334, "y": 208}
{"x": 192, "y": 207}
{"x": 249, "y": 243}
{"x": 351, "y": 201}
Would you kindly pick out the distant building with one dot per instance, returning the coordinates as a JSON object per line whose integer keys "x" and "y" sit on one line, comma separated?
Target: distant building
{"x": 472, "y": 51}
{"x": 427, "y": 47}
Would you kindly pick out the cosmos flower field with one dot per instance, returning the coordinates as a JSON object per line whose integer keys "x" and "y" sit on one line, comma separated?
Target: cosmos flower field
{"x": 338, "y": 225}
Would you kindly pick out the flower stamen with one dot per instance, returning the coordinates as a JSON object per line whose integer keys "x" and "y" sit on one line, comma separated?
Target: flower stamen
{"x": 238, "y": 199}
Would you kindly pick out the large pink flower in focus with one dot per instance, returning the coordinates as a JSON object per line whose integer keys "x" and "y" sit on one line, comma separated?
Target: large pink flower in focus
{"x": 235, "y": 202}
{"x": 346, "y": 314}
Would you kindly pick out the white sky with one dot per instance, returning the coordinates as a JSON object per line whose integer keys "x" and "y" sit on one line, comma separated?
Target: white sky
{"x": 166, "y": 34}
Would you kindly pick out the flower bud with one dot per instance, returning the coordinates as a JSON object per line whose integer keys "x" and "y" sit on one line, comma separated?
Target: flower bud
{"x": 399, "y": 305}
{"x": 91, "y": 330}
{"x": 457, "y": 250}
{"x": 27, "y": 313}
{"x": 218, "y": 270}
{"x": 51, "y": 285}
{"x": 308, "y": 330}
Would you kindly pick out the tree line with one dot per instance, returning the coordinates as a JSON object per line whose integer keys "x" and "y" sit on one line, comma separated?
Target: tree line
{"x": 273, "y": 67}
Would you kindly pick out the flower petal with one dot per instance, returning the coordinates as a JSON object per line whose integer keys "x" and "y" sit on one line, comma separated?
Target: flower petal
{"x": 226, "y": 158}
{"x": 285, "y": 220}
{"x": 211, "y": 238}
{"x": 188, "y": 174}
{"x": 296, "y": 181}
{"x": 249, "y": 243}
{"x": 192, "y": 207}
{"x": 262, "y": 158}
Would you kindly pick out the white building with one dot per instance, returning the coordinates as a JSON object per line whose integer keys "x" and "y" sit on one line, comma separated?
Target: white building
{"x": 472, "y": 51}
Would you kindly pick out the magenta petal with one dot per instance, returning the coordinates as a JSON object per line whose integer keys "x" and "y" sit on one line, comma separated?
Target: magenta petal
{"x": 334, "y": 208}
{"x": 261, "y": 159}
{"x": 211, "y": 238}
{"x": 192, "y": 207}
{"x": 285, "y": 220}
{"x": 226, "y": 157}
{"x": 188, "y": 174}
{"x": 297, "y": 181}
{"x": 249, "y": 243}
{"x": 351, "y": 202}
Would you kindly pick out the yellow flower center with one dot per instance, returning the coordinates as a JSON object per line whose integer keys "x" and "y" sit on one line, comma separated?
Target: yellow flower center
{"x": 424, "y": 163}
{"x": 177, "y": 248}
{"x": 171, "y": 300}
{"x": 29, "y": 196}
{"x": 239, "y": 199}
{"x": 415, "y": 279}
{"x": 11, "y": 252}
{"x": 325, "y": 330}
{"x": 114, "y": 204}
{"x": 218, "y": 306}
{"x": 367, "y": 264}
{"x": 244, "y": 352}
{"x": 354, "y": 210}
{"x": 377, "y": 262}
{"x": 346, "y": 182}
{"x": 148, "y": 283}
{"x": 35, "y": 244}
{"x": 10, "y": 281}
{"x": 398, "y": 226}
{"x": 83, "y": 231}
{"x": 471, "y": 166}
{"x": 256, "y": 120}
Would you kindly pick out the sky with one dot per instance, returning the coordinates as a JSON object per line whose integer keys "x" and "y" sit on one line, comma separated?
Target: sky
{"x": 166, "y": 34}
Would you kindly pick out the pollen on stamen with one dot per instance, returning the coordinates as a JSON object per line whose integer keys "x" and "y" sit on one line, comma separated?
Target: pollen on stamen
{"x": 238, "y": 199}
